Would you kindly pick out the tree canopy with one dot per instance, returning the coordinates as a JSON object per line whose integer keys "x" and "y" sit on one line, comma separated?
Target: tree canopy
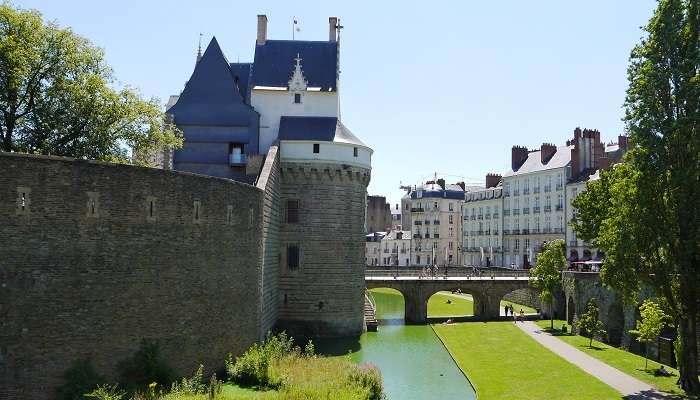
{"x": 59, "y": 97}
{"x": 650, "y": 326}
{"x": 644, "y": 213}
{"x": 546, "y": 275}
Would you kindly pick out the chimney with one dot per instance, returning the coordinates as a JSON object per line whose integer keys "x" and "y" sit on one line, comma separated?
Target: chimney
{"x": 262, "y": 29}
{"x": 518, "y": 157}
{"x": 462, "y": 185}
{"x": 622, "y": 142}
{"x": 332, "y": 29}
{"x": 492, "y": 180}
{"x": 577, "y": 134}
{"x": 441, "y": 182}
{"x": 547, "y": 150}
{"x": 604, "y": 163}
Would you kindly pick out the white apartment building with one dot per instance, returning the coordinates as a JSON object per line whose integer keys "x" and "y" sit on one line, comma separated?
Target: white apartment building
{"x": 482, "y": 224}
{"x": 396, "y": 249}
{"x": 373, "y": 248}
{"x": 436, "y": 215}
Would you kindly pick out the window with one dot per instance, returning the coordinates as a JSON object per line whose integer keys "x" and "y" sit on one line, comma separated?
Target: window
{"x": 435, "y": 245}
{"x": 449, "y": 245}
{"x": 517, "y": 244}
{"x": 354, "y": 151}
{"x": 297, "y": 98}
{"x": 418, "y": 260}
{"x": 451, "y": 207}
{"x": 450, "y": 218}
{"x": 292, "y": 211}
{"x": 317, "y": 148}
{"x": 292, "y": 257}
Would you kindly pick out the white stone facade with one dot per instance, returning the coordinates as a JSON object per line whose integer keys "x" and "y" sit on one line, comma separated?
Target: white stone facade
{"x": 482, "y": 227}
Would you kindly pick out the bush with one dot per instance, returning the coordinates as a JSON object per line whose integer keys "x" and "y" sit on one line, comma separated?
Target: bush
{"x": 80, "y": 379}
{"x": 145, "y": 367}
{"x": 106, "y": 392}
{"x": 193, "y": 385}
{"x": 253, "y": 367}
{"x": 368, "y": 376}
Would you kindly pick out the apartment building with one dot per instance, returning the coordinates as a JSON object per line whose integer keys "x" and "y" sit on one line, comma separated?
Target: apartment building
{"x": 482, "y": 224}
{"x": 436, "y": 215}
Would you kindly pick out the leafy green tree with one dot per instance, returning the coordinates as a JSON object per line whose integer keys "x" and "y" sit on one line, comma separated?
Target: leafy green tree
{"x": 644, "y": 214}
{"x": 57, "y": 97}
{"x": 546, "y": 275}
{"x": 589, "y": 324}
{"x": 649, "y": 328}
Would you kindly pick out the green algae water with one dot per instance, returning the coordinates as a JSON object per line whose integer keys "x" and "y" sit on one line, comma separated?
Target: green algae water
{"x": 414, "y": 363}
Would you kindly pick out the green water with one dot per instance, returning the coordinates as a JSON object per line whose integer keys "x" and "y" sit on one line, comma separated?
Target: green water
{"x": 414, "y": 363}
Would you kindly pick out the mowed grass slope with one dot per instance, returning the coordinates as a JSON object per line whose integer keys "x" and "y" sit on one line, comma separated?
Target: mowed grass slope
{"x": 502, "y": 362}
{"x": 461, "y": 305}
{"x": 625, "y": 361}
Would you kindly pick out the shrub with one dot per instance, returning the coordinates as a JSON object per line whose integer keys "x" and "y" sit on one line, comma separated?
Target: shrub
{"x": 253, "y": 367}
{"x": 145, "y": 367}
{"x": 106, "y": 392}
{"x": 368, "y": 376}
{"x": 80, "y": 378}
{"x": 193, "y": 385}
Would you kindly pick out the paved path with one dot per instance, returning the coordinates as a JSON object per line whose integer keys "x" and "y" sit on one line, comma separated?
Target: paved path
{"x": 631, "y": 388}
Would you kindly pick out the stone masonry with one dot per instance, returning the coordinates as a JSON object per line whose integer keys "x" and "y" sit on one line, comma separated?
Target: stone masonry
{"x": 95, "y": 257}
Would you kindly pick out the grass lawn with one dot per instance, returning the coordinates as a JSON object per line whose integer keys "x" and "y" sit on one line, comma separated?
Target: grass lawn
{"x": 625, "y": 361}
{"x": 502, "y": 362}
{"x": 461, "y": 305}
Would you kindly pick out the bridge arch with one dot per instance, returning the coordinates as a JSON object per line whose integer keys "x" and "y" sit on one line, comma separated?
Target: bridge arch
{"x": 390, "y": 303}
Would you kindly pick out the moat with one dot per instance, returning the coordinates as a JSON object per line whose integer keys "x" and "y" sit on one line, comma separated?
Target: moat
{"x": 413, "y": 361}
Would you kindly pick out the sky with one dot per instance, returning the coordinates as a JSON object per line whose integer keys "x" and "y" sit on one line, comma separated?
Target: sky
{"x": 433, "y": 87}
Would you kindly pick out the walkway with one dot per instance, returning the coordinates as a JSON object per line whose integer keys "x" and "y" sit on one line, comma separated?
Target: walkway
{"x": 630, "y": 387}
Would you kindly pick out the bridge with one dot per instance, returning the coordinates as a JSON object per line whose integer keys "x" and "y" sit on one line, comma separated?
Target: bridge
{"x": 487, "y": 288}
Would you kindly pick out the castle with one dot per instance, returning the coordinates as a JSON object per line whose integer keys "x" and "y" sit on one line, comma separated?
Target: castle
{"x": 256, "y": 223}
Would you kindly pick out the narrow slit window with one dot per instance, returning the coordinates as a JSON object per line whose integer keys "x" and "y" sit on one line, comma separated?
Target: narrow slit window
{"x": 197, "y": 211}
{"x": 229, "y": 215}
{"x": 150, "y": 208}
{"x": 292, "y": 257}
{"x": 317, "y": 148}
{"x": 354, "y": 151}
{"x": 297, "y": 98}
{"x": 292, "y": 211}
{"x": 24, "y": 201}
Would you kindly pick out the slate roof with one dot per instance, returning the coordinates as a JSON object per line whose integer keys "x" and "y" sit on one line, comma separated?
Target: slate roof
{"x": 274, "y": 62}
{"x": 534, "y": 162}
{"x": 211, "y": 96}
{"x": 242, "y": 72}
{"x": 434, "y": 190}
{"x": 326, "y": 129}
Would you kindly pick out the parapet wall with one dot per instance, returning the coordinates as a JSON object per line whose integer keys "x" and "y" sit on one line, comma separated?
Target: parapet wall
{"x": 95, "y": 257}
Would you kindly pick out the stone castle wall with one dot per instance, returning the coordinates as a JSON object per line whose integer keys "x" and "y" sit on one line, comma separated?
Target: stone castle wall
{"x": 269, "y": 183}
{"x": 95, "y": 257}
{"x": 527, "y": 297}
{"x": 325, "y": 295}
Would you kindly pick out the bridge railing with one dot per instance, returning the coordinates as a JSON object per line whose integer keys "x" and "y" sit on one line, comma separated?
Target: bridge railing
{"x": 452, "y": 271}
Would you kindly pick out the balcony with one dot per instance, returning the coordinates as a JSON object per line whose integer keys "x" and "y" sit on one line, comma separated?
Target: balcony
{"x": 473, "y": 217}
{"x": 573, "y": 243}
{"x": 536, "y": 210}
{"x": 495, "y": 215}
{"x": 536, "y": 189}
{"x": 416, "y": 236}
{"x": 516, "y": 192}
{"x": 559, "y": 207}
{"x": 466, "y": 218}
{"x": 559, "y": 186}
{"x": 417, "y": 209}
{"x": 524, "y": 231}
{"x": 506, "y": 212}
{"x": 386, "y": 251}
{"x": 237, "y": 159}
{"x": 403, "y": 251}
{"x": 427, "y": 222}
{"x": 417, "y": 222}
{"x": 547, "y": 189}
{"x": 480, "y": 216}
{"x": 427, "y": 236}
{"x": 436, "y": 222}
{"x": 516, "y": 211}
{"x": 479, "y": 232}
{"x": 487, "y": 216}
{"x": 547, "y": 208}
{"x": 487, "y": 232}
{"x": 436, "y": 235}
{"x": 506, "y": 231}
{"x": 526, "y": 191}
{"x": 526, "y": 211}
{"x": 546, "y": 230}
{"x": 506, "y": 193}
{"x": 495, "y": 231}
{"x": 557, "y": 230}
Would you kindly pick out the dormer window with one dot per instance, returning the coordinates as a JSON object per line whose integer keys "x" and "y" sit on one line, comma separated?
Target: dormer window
{"x": 317, "y": 148}
{"x": 297, "y": 98}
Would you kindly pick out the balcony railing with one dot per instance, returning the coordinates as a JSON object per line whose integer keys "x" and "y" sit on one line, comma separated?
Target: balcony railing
{"x": 495, "y": 215}
{"x": 559, "y": 207}
{"x": 524, "y": 231}
{"x": 557, "y": 230}
{"x": 417, "y": 222}
{"x": 506, "y": 231}
{"x": 526, "y": 191}
{"x": 417, "y": 209}
{"x": 536, "y": 189}
{"x": 547, "y": 208}
{"x": 573, "y": 243}
{"x": 416, "y": 236}
{"x": 473, "y": 217}
{"x": 516, "y": 192}
{"x": 479, "y": 232}
{"x": 506, "y": 212}
{"x": 559, "y": 186}
{"x": 427, "y": 236}
{"x": 427, "y": 222}
{"x": 547, "y": 189}
{"x": 436, "y": 222}
{"x": 506, "y": 193}
{"x": 436, "y": 235}
{"x": 536, "y": 210}
{"x": 495, "y": 231}
{"x": 526, "y": 211}
{"x": 479, "y": 216}
{"x": 546, "y": 230}
{"x": 516, "y": 211}
{"x": 487, "y": 216}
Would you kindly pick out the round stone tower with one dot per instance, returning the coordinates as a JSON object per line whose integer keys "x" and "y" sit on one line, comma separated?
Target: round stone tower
{"x": 322, "y": 239}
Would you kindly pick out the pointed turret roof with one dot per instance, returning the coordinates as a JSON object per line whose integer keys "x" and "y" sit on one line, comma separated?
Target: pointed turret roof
{"x": 212, "y": 96}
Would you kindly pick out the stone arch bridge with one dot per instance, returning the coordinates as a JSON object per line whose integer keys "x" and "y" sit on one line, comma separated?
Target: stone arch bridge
{"x": 487, "y": 291}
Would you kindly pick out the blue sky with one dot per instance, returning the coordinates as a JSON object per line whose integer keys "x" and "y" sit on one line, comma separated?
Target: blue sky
{"x": 444, "y": 87}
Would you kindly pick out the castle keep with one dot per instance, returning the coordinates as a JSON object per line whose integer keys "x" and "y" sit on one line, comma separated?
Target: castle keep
{"x": 256, "y": 223}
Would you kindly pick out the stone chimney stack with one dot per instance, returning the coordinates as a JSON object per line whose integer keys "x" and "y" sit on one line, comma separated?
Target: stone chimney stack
{"x": 518, "y": 157}
{"x": 547, "y": 150}
{"x": 262, "y": 29}
{"x": 622, "y": 143}
{"x": 332, "y": 29}
{"x": 441, "y": 182}
{"x": 492, "y": 180}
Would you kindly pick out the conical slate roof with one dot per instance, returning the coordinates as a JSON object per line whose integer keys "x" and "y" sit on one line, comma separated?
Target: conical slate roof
{"x": 212, "y": 96}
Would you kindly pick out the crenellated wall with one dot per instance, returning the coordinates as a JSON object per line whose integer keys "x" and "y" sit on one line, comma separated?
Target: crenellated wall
{"x": 95, "y": 257}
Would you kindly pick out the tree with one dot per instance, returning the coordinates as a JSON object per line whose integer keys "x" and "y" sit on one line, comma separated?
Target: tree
{"x": 649, "y": 328}
{"x": 546, "y": 275}
{"x": 57, "y": 96}
{"x": 644, "y": 213}
{"x": 589, "y": 324}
